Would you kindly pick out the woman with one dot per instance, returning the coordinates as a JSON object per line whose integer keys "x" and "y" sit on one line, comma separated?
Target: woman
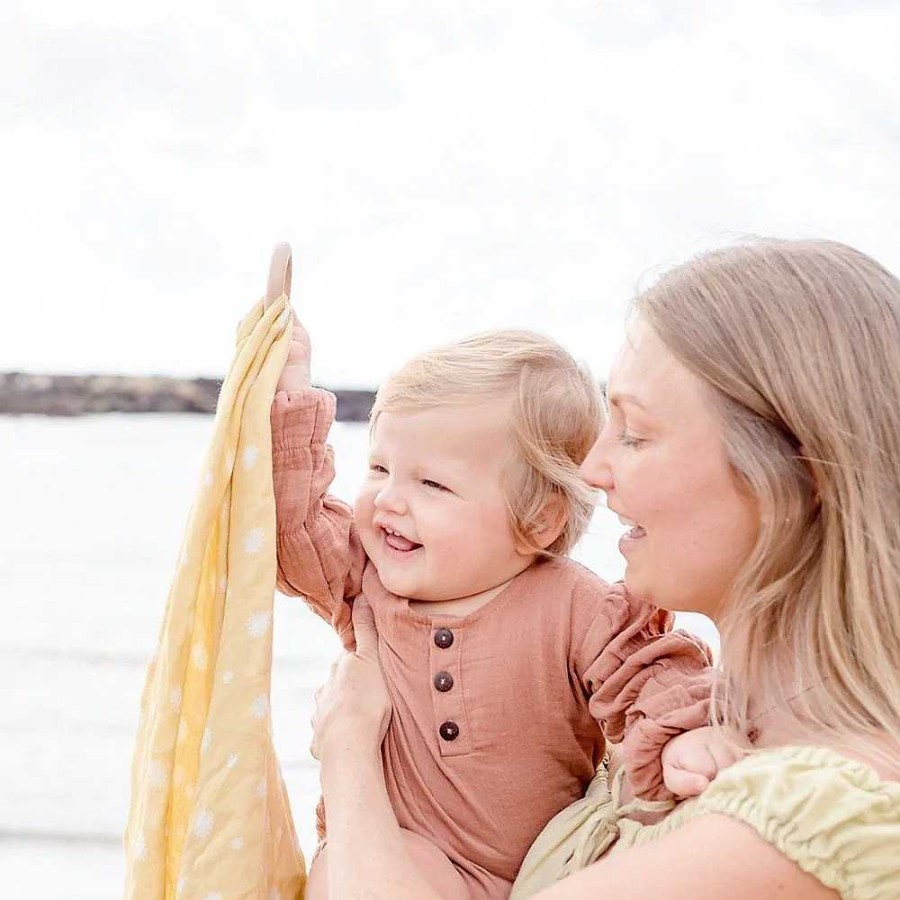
{"x": 753, "y": 448}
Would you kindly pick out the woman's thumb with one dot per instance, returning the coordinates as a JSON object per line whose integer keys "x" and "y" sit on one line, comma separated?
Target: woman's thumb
{"x": 364, "y": 628}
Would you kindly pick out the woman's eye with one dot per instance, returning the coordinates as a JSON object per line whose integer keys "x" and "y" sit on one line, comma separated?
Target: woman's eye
{"x": 629, "y": 440}
{"x": 433, "y": 484}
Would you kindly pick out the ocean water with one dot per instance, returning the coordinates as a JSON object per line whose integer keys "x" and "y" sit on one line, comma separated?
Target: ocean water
{"x": 93, "y": 513}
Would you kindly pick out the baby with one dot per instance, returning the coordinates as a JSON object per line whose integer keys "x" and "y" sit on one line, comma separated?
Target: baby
{"x": 509, "y": 665}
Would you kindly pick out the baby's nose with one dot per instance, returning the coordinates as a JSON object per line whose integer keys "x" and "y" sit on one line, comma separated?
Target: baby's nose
{"x": 391, "y": 500}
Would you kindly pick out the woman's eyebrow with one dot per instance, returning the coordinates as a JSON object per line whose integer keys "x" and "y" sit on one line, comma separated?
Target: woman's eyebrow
{"x": 617, "y": 399}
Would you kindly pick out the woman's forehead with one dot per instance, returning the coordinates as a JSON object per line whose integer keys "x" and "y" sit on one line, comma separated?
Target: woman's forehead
{"x": 643, "y": 361}
{"x": 645, "y": 376}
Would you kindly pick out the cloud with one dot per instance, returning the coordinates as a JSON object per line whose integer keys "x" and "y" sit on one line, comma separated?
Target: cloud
{"x": 439, "y": 168}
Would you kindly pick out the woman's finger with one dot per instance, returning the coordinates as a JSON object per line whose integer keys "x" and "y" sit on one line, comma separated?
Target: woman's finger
{"x": 364, "y": 629}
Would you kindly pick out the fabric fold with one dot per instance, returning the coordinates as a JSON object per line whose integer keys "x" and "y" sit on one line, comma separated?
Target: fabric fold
{"x": 209, "y": 815}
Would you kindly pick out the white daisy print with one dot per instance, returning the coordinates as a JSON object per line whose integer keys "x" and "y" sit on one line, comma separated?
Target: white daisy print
{"x": 249, "y": 457}
{"x": 199, "y": 658}
{"x": 237, "y": 843}
{"x": 213, "y": 895}
{"x": 227, "y": 677}
{"x": 175, "y": 699}
{"x": 156, "y": 773}
{"x": 260, "y": 706}
{"x": 139, "y": 848}
{"x": 253, "y": 540}
{"x": 232, "y": 760}
{"x": 207, "y": 739}
{"x": 203, "y": 824}
{"x": 259, "y": 623}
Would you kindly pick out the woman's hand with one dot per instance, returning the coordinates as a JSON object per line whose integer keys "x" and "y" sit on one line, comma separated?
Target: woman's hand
{"x": 368, "y": 856}
{"x": 353, "y": 707}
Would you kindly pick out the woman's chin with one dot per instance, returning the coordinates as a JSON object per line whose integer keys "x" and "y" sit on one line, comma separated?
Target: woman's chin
{"x": 638, "y": 586}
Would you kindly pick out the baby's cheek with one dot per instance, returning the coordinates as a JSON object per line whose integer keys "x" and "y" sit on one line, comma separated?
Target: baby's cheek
{"x": 469, "y": 541}
{"x": 363, "y": 514}
{"x": 363, "y": 505}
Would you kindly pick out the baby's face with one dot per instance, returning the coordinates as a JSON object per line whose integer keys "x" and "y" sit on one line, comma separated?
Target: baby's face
{"x": 432, "y": 514}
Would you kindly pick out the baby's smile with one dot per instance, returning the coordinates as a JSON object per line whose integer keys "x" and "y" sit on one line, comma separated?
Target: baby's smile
{"x": 398, "y": 542}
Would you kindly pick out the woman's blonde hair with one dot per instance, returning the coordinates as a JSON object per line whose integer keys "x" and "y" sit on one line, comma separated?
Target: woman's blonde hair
{"x": 800, "y": 343}
{"x": 556, "y": 414}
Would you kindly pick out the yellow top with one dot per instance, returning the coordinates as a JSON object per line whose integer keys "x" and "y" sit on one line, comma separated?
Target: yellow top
{"x": 833, "y": 816}
{"x": 209, "y": 814}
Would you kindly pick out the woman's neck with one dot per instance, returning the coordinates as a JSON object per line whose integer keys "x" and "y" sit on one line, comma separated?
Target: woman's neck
{"x": 781, "y": 727}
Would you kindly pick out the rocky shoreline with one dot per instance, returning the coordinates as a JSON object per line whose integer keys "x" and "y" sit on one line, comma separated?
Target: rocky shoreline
{"x": 79, "y": 395}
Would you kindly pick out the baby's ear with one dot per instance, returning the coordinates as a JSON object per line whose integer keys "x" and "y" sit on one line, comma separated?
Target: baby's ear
{"x": 551, "y": 522}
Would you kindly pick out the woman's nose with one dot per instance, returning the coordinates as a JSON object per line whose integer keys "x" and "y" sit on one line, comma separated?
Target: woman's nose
{"x": 595, "y": 469}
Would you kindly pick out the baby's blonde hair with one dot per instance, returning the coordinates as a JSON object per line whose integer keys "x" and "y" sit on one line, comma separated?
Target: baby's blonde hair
{"x": 555, "y": 418}
{"x": 799, "y": 342}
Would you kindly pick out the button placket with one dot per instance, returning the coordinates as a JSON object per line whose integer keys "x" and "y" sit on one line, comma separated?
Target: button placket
{"x": 451, "y": 727}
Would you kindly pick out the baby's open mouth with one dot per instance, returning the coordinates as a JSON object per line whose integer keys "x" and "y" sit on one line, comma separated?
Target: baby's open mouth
{"x": 397, "y": 541}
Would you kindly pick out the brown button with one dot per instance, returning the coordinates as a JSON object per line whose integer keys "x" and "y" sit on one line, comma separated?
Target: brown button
{"x": 449, "y": 731}
{"x": 443, "y": 637}
{"x": 443, "y": 681}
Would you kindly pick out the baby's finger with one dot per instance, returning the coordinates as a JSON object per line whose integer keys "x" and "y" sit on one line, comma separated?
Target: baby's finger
{"x": 683, "y": 783}
{"x": 728, "y": 752}
{"x": 698, "y": 760}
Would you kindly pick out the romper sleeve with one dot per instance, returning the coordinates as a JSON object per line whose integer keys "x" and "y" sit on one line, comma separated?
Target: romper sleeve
{"x": 645, "y": 683}
{"x": 320, "y": 556}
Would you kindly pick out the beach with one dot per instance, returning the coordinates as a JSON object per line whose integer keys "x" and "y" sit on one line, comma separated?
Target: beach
{"x": 94, "y": 513}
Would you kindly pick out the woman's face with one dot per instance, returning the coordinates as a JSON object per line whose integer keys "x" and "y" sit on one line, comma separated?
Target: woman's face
{"x": 661, "y": 461}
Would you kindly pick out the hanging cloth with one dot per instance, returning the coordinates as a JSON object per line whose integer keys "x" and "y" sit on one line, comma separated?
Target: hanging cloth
{"x": 209, "y": 816}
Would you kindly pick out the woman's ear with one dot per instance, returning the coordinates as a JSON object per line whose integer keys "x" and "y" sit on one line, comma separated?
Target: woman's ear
{"x": 551, "y": 522}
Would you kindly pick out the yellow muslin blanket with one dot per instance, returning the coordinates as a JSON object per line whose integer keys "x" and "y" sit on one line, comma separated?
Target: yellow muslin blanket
{"x": 209, "y": 817}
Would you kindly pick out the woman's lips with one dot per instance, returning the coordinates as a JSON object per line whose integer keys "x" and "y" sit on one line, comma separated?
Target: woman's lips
{"x": 634, "y": 534}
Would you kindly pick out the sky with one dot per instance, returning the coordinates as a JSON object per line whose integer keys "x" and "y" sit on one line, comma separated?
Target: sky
{"x": 438, "y": 167}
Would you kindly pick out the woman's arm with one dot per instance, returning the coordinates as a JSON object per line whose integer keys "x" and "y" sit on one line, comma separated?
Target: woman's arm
{"x": 367, "y": 856}
{"x": 710, "y": 856}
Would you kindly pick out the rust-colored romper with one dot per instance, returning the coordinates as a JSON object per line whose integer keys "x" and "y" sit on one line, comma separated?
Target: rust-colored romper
{"x": 501, "y": 716}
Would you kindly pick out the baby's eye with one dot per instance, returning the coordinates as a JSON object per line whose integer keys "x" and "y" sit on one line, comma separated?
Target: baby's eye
{"x": 433, "y": 484}
{"x": 378, "y": 468}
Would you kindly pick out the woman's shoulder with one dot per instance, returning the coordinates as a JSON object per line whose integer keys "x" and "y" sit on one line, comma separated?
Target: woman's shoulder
{"x": 832, "y": 815}
{"x": 784, "y": 777}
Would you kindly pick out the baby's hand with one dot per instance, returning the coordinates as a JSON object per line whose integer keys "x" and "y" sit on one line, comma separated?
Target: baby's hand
{"x": 295, "y": 375}
{"x": 693, "y": 759}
